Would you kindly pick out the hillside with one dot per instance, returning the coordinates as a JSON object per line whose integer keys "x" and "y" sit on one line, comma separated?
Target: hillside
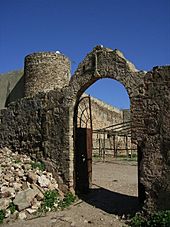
{"x": 7, "y": 83}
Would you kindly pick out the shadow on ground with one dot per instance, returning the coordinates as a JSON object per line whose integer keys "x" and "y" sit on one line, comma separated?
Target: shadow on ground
{"x": 112, "y": 202}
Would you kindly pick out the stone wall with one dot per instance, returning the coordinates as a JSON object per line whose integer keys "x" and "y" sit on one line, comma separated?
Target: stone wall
{"x": 154, "y": 133}
{"x": 38, "y": 126}
{"x": 34, "y": 126}
{"x": 104, "y": 115}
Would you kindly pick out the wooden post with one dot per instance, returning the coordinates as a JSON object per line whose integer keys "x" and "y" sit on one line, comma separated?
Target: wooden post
{"x": 114, "y": 146}
{"x": 104, "y": 147}
{"x": 99, "y": 146}
{"x": 126, "y": 145}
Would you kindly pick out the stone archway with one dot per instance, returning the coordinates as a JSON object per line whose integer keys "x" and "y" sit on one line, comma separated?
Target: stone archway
{"x": 149, "y": 97}
{"x": 102, "y": 63}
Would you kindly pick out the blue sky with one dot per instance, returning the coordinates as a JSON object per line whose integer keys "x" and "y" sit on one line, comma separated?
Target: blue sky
{"x": 139, "y": 28}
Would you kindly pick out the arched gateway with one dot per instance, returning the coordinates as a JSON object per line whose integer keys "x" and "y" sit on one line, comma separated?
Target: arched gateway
{"x": 42, "y": 123}
{"x": 106, "y": 63}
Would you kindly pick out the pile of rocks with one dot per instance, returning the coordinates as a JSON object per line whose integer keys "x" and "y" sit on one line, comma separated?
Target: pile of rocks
{"x": 21, "y": 184}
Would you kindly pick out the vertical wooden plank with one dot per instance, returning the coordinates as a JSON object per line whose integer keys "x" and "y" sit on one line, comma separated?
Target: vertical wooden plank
{"x": 89, "y": 155}
{"x": 83, "y": 160}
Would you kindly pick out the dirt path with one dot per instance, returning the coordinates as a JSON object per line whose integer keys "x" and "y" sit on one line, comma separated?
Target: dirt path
{"x": 114, "y": 194}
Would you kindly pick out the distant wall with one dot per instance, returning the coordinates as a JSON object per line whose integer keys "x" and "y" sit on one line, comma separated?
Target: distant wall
{"x": 104, "y": 115}
{"x": 126, "y": 115}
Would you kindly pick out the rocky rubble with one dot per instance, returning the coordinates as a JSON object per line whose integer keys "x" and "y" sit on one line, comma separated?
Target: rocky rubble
{"x": 22, "y": 184}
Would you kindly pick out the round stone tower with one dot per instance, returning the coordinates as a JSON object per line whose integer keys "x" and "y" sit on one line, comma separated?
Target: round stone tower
{"x": 45, "y": 71}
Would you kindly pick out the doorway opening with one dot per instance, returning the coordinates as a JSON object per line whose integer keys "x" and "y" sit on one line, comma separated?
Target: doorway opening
{"x": 105, "y": 157}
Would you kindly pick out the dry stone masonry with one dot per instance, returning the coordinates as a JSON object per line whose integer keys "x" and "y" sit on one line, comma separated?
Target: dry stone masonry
{"x": 45, "y": 71}
{"x": 42, "y": 125}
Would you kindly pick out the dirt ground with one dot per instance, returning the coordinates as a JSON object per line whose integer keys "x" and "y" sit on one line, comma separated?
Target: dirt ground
{"x": 113, "y": 195}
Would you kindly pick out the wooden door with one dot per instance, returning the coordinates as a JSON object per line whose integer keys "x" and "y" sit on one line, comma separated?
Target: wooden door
{"x": 83, "y": 146}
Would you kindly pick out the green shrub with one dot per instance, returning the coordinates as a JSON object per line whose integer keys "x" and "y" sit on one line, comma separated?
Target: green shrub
{"x": 39, "y": 165}
{"x": 137, "y": 221}
{"x": 157, "y": 219}
{"x": 69, "y": 198}
{"x": 51, "y": 197}
{"x": 17, "y": 161}
{"x": 2, "y": 216}
{"x": 52, "y": 201}
{"x": 12, "y": 207}
{"x": 161, "y": 218}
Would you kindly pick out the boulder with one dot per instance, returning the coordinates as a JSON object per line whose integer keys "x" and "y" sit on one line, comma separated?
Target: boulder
{"x": 43, "y": 181}
{"x": 4, "y": 203}
{"x": 22, "y": 215}
{"x": 24, "y": 198}
{"x": 32, "y": 177}
{"x": 40, "y": 194}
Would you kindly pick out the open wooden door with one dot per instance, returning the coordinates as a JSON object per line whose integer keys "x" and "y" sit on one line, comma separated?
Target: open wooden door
{"x": 83, "y": 146}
